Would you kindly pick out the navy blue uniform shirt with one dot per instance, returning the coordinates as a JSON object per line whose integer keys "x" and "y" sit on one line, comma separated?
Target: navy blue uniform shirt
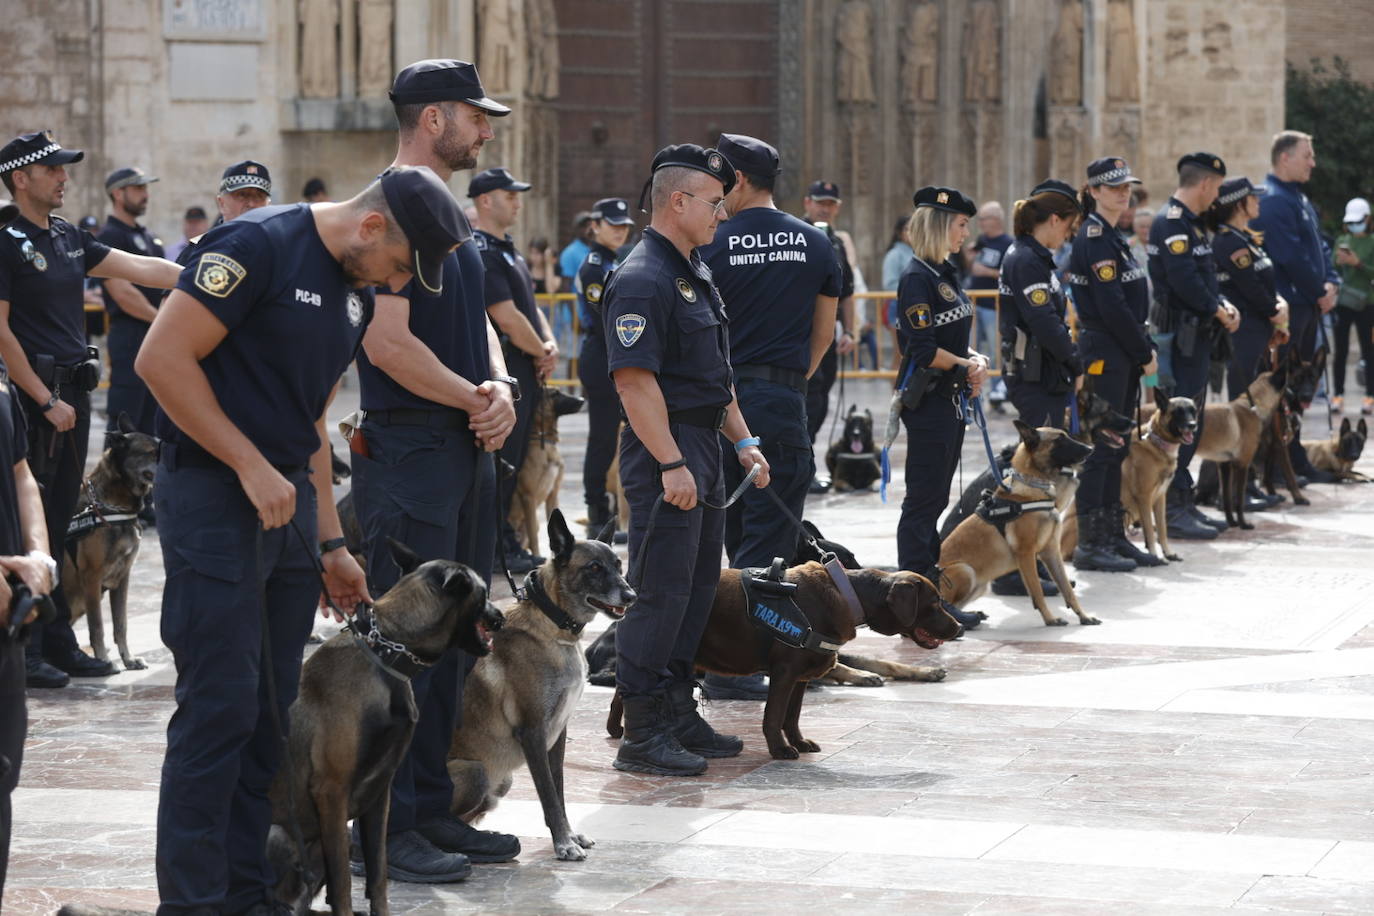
{"x": 1181, "y": 267}
{"x": 135, "y": 240}
{"x": 989, "y": 252}
{"x": 846, "y": 271}
{"x": 769, "y": 267}
{"x": 1244, "y": 273}
{"x": 1110, "y": 290}
{"x": 1032, "y": 300}
{"x": 590, "y": 285}
{"x": 43, "y": 275}
{"x": 663, "y": 313}
{"x": 14, "y": 448}
{"x": 1292, "y": 236}
{"x": 508, "y": 276}
{"x": 933, "y": 313}
{"x": 294, "y": 325}
{"x": 453, "y": 325}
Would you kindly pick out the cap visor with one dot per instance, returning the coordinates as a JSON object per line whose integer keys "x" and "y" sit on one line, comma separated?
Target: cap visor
{"x": 519, "y": 186}
{"x": 1259, "y": 190}
{"x": 62, "y": 157}
{"x": 621, "y": 221}
{"x": 489, "y": 105}
{"x": 823, "y": 197}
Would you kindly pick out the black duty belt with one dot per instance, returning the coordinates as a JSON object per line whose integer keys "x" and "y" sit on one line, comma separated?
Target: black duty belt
{"x": 789, "y": 377}
{"x": 174, "y": 455}
{"x": 704, "y": 417}
{"x": 450, "y": 418}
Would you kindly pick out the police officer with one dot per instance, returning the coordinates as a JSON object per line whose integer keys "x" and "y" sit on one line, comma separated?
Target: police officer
{"x": 610, "y": 227}
{"x": 821, "y": 205}
{"x": 780, "y": 280}
{"x": 130, "y": 308}
{"x": 243, "y": 358}
{"x": 1111, "y": 295}
{"x": 670, "y": 357}
{"x": 934, "y": 317}
{"x": 1184, "y": 279}
{"x": 43, "y": 264}
{"x": 437, "y": 402}
{"x": 527, "y": 339}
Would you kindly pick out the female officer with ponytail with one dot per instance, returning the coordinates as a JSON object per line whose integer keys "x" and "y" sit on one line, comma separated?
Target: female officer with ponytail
{"x": 1038, "y": 354}
{"x": 1111, "y": 296}
{"x": 934, "y": 318}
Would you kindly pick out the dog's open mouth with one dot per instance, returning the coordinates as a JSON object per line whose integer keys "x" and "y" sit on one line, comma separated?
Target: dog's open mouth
{"x": 1186, "y": 436}
{"x": 484, "y": 634}
{"x": 613, "y": 609}
{"x": 926, "y": 639}
{"x": 1112, "y": 438}
{"x": 856, "y": 445}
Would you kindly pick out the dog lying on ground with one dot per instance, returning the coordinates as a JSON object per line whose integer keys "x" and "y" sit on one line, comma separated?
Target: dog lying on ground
{"x": 1337, "y": 455}
{"x": 1231, "y": 437}
{"x": 1042, "y": 474}
{"x": 542, "y": 473}
{"x": 852, "y": 459}
{"x": 104, "y": 536}
{"x": 517, "y": 700}
{"x": 900, "y": 603}
{"x": 1149, "y": 469}
{"x": 352, "y": 722}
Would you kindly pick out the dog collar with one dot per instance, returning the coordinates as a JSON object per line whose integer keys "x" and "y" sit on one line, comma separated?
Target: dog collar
{"x": 391, "y": 656}
{"x": 534, "y": 591}
{"x": 1035, "y": 483}
{"x": 96, "y": 513}
{"x": 1161, "y": 443}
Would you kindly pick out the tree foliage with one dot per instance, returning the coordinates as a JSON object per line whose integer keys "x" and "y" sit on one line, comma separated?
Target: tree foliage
{"x": 1334, "y": 107}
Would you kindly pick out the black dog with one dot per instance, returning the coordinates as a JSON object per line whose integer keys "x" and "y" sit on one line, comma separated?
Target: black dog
{"x": 853, "y": 458}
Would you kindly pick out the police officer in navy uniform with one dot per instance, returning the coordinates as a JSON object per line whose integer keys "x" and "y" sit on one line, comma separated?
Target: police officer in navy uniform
{"x": 610, "y": 227}
{"x": 1184, "y": 278}
{"x": 1111, "y": 295}
{"x": 44, "y": 261}
{"x": 527, "y": 339}
{"x": 780, "y": 279}
{"x": 822, "y": 204}
{"x": 934, "y": 318}
{"x": 131, "y": 308}
{"x": 243, "y": 186}
{"x": 243, "y": 359}
{"x": 669, "y": 354}
{"x": 437, "y": 402}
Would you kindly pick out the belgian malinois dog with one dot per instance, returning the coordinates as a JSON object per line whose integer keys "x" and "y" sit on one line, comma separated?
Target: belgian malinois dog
{"x": 517, "y": 700}
{"x": 1303, "y": 378}
{"x": 852, "y": 458}
{"x": 1149, "y": 468}
{"x": 1337, "y": 455}
{"x": 352, "y": 721}
{"x": 542, "y": 472}
{"x": 104, "y": 536}
{"x": 1043, "y": 470}
{"x": 1231, "y": 437}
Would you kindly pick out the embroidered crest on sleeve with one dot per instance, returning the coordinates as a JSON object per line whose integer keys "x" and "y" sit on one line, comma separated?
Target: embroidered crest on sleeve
{"x": 594, "y": 292}
{"x": 918, "y": 316}
{"x": 1105, "y": 270}
{"x": 1241, "y": 258}
{"x": 1038, "y": 294}
{"x": 218, "y": 274}
{"x": 1177, "y": 244}
{"x": 629, "y": 328}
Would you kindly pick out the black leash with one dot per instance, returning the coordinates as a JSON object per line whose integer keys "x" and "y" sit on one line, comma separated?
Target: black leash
{"x": 638, "y": 568}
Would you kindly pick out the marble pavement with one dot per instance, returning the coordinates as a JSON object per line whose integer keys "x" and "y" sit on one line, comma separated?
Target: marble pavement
{"x": 1210, "y": 747}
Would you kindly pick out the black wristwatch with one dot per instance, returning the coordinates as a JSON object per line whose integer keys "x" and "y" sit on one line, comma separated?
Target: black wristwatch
{"x": 332, "y": 544}
{"x": 52, "y": 402}
{"x": 514, "y": 384}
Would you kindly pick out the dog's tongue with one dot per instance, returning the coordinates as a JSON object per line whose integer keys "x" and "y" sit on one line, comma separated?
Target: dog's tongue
{"x": 1187, "y": 437}
{"x": 856, "y": 446}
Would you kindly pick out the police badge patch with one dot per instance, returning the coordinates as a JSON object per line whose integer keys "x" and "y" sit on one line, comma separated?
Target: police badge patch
{"x": 947, "y": 292}
{"x": 355, "y": 309}
{"x": 1105, "y": 271}
{"x": 39, "y": 261}
{"x": 629, "y": 328}
{"x": 1039, "y": 296}
{"x": 918, "y": 316}
{"x": 1242, "y": 258}
{"x": 594, "y": 292}
{"x": 686, "y": 289}
{"x": 1178, "y": 244}
{"x": 218, "y": 274}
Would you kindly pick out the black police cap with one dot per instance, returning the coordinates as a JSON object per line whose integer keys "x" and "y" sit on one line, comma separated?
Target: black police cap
{"x": 495, "y": 180}
{"x": 246, "y": 174}
{"x": 691, "y": 156}
{"x": 443, "y": 80}
{"x": 613, "y": 210}
{"x": 1206, "y": 161}
{"x": 823, "y": 190}
{"x": 1055, "y": 186}
{"x": 1111, "y": 172}
{"x": 425, "y": 210}
{"x": 749, "y": 154}
{"x": 1237, "y": 189}
{"x": 39, "y": 147}
{"x": 950, "y": 199}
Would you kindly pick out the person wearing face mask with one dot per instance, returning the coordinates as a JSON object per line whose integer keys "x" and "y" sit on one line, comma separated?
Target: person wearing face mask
{"x": 1355, "y": 260}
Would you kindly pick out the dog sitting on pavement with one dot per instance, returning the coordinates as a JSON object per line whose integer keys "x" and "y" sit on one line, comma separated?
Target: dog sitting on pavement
{"x": 852, "y": 459}
{"x": 1149, "y": 468}
{"x": 1337, "y": 455}
{"x": 517, "y": 700}
{"x": 104, "y": 536}
{"x": 541, "y": 474}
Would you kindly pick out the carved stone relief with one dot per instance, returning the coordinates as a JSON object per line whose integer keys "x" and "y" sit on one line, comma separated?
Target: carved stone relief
{"x": 854, "y": 62}
{"x": 500, "y": 52}
{"x": 921, "y": 55}
{"x": 1066, "y": 55}
{"x": 542, "y": 22}
{"x": 375, "y": 68}
{"x": 1123, "y": 67}
{"x": 982, "y": 52}
{"x": 319, "y": 43}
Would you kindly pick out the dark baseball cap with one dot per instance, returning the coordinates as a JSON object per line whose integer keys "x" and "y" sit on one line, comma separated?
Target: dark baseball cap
{"x": 246, "y": 174}
{"x": 128, "y": 177}
{"x": 497, "y": 179}
{"x": 1207, "y": 161}
{"x": 195, "y": 213}
{"x": 431, "y": 219}
{"x": 613, "y": 210}
{"x": 39, "y": 147}
{"x": 1055, "y": 186}
{"x": 823, "y": 190}
{"x": 443, "y": 80}
{"x": 950, "y": 199}
{"x": 1110, "y": 171}
{"x": 749, "y": 154}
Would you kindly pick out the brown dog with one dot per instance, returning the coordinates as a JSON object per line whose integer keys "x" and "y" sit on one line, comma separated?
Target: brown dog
{"x": 1042, "y": 474}
{"x": 1149, "y": 468}
{"x": 1231, "y": 437}
{"x": 542, "y": 472}
{"x": 900, "y": 603}
{"x": 1338, "y": 454}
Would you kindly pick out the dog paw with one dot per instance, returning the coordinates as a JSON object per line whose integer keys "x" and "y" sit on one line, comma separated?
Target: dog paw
{"x": 583, "y": 840}
{"x": 1088, "y": 621}
{"x": 785, "y": 752}
{"x": 1056, "y": 622}
{"x": 135, "y": 664}
{"x": 806, "y": 746}
{"x": 570, "y": 851}
{"x": 867, "y": 680}
{"x": 932, "y": 675}
{"x": 1246, "y": 526}
{"x": 1302, "y": 501}
{"x": 1173, "y": 558}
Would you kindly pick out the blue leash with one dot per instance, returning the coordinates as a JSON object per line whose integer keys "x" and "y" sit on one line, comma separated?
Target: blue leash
{"x": 1073, "y": 413}
{"x": 885, "y": 462}
{"x": 982, "y": 423}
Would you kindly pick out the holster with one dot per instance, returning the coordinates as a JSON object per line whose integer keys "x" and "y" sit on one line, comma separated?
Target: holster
{"x": 45, "y": 367}
{"x": 1187, "y": 331}
{"x": 1161, "y": 318}
{"x": 1029, "y": 357}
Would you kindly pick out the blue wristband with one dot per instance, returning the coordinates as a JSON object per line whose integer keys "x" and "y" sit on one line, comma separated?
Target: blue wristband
{"x": 743, "y": 444}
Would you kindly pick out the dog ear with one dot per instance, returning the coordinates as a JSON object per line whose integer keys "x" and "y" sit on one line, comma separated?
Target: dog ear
{"x": 1362, "y": 430}
{"x": 1029, "y": 434}
{"x": 1345, "y": 426}
{"x": 405, "y": 558}
{"x": 815, "y": 532}
{"x": 869, "y": 414}
{"x": 124, "y": 424}
{"x": 1161, "y": 400}
{"x": 561, "y": 540}
{"x": 457, "y": 581}
{"x": 1280, "y": 378}
{"x": 1200, "y": 399}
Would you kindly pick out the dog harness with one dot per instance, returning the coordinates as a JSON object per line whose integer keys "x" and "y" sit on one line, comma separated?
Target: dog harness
{"x": 96, "y": 513}
{"x": 773, "y": 610}
{"x": 391, "y": 656}
{"x": 534, "y": 590}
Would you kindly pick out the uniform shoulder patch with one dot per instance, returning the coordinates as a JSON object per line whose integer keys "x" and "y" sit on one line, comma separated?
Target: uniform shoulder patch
{"x": 1105, "y": 270}
{"x": 594, "y": 258}
{"x": 1038, "y": 295}
{"x": 947, "y": 292}
{"x": 629, "y": 328}
{"x": 918, "y": 316}
{"x": 1177, "y": 244}
{"x": 1241, "y": 258}
{"x": 685, "y": 288}
{"x": 218, "y": 274}
{"x": 481, "y": 241}
{"x": 1175, "y": 212}
{"x": 593, "y": 292}
{"x": 1093, "y": 230}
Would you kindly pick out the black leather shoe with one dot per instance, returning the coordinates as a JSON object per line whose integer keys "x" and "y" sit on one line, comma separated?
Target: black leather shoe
{"x": 82, "y": 665}
{"x": 724, "y": 687}
{"x": 38, "y": 673}
{"x": 1203, "y": 519}
{"x": 1011, "y": 586}
{"x": 1183, "y": 527}
{"x": 1115, "y": 531}
{"x": 412, "y": 858}
{"x": 819, "y": 485}
{"x": 523, "y": 561}
{"x": 969, "y": 620}
{"x": 450, "y": 833}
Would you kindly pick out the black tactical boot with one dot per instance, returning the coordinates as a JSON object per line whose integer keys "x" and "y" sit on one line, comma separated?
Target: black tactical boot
{"x": 1182, "y": 525}
{"x": 1190, "y": 500}
{"x": 1115, "y": 520}
{"x": 1011, "y": 585}
{"x": 649, "y": 746}
{"x": 693, "y": 732}
{"x": 1094, "y": 552}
